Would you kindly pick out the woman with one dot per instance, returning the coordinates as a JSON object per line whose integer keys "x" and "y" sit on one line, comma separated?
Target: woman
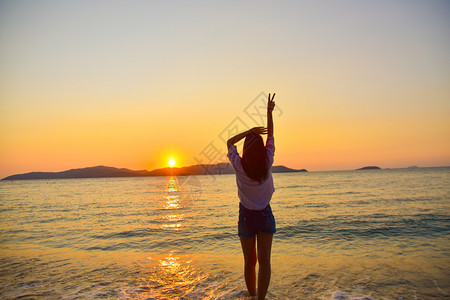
{"x": 254, "y": 180}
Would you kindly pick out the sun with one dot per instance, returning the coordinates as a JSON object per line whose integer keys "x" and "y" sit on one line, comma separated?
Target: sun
{"x": 171, "y": 162}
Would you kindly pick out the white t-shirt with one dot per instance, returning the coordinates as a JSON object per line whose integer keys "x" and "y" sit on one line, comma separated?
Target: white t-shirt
{"x": 252, "y": 194}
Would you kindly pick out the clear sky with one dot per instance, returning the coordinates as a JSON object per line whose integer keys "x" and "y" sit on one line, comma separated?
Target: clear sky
{"x": 133, "y": 83}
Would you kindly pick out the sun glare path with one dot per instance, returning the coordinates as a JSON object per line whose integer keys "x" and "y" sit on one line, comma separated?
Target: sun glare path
{"x": 171, "y": 162}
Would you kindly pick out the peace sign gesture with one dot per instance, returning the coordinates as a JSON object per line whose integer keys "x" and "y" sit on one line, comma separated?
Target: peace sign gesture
{"x": 270, "y": 103}
{"x": 270, "y": 107}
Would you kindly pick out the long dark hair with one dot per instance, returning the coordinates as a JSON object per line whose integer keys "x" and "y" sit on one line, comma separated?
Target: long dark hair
{"x": 254, "y": 158}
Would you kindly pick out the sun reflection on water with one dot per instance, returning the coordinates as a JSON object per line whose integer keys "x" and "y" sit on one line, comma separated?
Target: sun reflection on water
{"x": 173, "y": 195}
{"x": 173, "y": 202}
{"x": 172, "y": 274}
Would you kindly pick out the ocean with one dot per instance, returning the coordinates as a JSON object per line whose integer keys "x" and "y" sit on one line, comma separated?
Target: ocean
{"x": 370, "y": 234}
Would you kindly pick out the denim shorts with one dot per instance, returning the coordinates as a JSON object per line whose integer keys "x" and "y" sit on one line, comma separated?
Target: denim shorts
{"x": 253, "y": 221}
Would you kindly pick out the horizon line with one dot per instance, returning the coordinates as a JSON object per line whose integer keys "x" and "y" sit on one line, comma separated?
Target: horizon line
{"x": 168, "y": 167}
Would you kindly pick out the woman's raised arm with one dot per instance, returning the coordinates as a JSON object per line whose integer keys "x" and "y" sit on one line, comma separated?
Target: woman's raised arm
{"x": 270, "y": 107}
{"x": 233, "y": 140}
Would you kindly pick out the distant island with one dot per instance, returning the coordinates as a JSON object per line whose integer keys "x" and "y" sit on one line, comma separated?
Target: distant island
{"x": 370, "y": 168}
{"x": 104, "y": 172}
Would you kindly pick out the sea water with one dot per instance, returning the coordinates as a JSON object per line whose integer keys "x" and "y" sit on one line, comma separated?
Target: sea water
{"x": 372, "y": 234}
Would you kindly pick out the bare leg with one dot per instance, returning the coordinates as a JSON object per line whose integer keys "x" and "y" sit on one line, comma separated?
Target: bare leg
{"x": 264, "y": 249}
{"x": 249, "y": 250}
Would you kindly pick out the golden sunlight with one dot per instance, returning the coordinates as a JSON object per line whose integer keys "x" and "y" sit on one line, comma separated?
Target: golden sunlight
{"x": 171, "y": 162}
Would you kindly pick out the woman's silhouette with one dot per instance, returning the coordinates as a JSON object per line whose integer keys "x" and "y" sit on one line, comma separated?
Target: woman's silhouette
{"x": 254, "y": 180}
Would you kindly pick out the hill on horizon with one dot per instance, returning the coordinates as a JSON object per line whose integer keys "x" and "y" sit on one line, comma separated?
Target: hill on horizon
{"x": 105, "y": 172}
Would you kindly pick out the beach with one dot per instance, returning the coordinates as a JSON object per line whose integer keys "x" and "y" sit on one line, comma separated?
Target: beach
{"x": 369, "y": 234}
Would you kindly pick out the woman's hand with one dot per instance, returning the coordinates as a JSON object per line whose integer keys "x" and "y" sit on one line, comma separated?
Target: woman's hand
{"x": 259, "y": 130}
{"x": 271, "y": 103}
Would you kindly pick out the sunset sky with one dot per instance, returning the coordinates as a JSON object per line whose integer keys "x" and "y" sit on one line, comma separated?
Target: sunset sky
{"x": 134, "y": 83}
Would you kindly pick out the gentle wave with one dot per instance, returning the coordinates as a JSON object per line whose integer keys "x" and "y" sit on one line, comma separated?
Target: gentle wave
{"x": 372, "y": 226}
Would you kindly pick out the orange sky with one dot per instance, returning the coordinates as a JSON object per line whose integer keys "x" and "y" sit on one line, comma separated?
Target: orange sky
{"x": 130, "y": 84}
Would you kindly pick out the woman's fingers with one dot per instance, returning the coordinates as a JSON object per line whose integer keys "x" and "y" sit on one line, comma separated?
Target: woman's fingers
{"x": 270, "y": 102}
{"x": 260, "y": 130}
